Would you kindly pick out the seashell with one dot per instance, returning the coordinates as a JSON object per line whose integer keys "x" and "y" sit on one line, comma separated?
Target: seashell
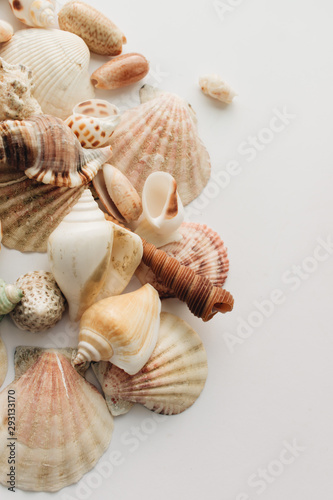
{"x": 10, "y": 296}
{"x": 59, "y": 62}
{"x": 42, "y": 305}
{"x": 122, "y": 329}
{"x": 1, "y": 234}
{"x": 79, "y": 252}
{"x": 161, "y": 134}
{"x": 120, "y": 72}
{"x": 16, "y": 87}
{"x": 62, "y": 428}
{"x": 100, "y": 34}
{"x": 48, "y": 151}
{"x": 6, "y": 31}
{"x": 39, "y": 13}
{"x": 203, "y": 299}
{"x": 30, "y": 211}
{"x": 173, "y": 378}
{"x": 201, "y": 249}
{"x": 117, "y": 194}
{"x": 93, "y": 122}
{"x": 3, "y": 362}
{"x": 215, "y": 87}
{"x": 162, "y": 209}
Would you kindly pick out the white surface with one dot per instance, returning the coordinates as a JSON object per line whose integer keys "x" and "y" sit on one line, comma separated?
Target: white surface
{"x": 275, "y": 386}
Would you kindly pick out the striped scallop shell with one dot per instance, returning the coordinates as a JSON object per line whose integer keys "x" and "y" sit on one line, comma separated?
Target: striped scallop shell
{"x": 62, "y": 428}
{"x": 161, "y": 134}
{"x": 3, "y": 362}
{"x": 201, "y": 249}
{"x": 59, "y": 61}
{"x": 172, "y": 379}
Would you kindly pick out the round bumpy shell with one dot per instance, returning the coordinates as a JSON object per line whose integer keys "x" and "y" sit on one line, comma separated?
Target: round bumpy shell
{"x": 42, "y": 305}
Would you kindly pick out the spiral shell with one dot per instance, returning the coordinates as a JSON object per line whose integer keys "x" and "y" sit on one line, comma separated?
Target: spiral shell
{"x": 10, "y": 296}
{"x": 6, "y": 31}
{"x": 40, "y": 13}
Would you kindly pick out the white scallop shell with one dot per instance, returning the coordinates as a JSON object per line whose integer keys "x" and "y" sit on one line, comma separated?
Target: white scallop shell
{"x": 3, "y": 362}
{"x": 59, "y": 61}
{"x": 38, "y": 13}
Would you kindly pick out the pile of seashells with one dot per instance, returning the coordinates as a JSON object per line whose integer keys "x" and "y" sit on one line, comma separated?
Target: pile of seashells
{"x": 100, "y": 224}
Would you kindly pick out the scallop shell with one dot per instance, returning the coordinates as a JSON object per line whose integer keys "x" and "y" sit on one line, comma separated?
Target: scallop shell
{"x": 6, "y": 31}
{"x": 10, "y": 296}
{"x": 163, "y": 210}
{"x": 100, "y": 34}
{"x": 203, "y": 299}
{"x": 161, "y": 134}
{"x": 39, "y": 13}
{"x": 122, "y": 329}
{"x": 201, "y": 249}
{"x": 93, "y": 122}
{"x": 59, "y": 62}
{"x": 49, "y": 152}
{"x": 173, "y": 378}
{"x": 3, "y": 362}
{"x": 16, "y": 87}
{"x": 42, "y": 305}
{"x": 215, "y": 87}
{"x": 62, "y": 428}
{"x": 117, "y": 194}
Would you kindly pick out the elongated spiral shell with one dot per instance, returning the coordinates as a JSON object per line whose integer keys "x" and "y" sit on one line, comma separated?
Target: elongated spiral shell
{"x": 202, "y": 297}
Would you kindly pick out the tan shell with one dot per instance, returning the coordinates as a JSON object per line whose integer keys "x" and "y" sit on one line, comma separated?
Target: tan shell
{"x": 100, "y": 34}
{"x": 172, "y": 379}
{"x": 3, "y": 362}
{"x": 46, "y": 150}
{"x": 62, "y": 425}
{"x": 201, "y": 249}
{"x": 39, "y": 13}
{"x": 141, "y": 143}
{"x": 215, "y": 87}
{"x": 120, "y": 72}
{"x": 6, "y": 31}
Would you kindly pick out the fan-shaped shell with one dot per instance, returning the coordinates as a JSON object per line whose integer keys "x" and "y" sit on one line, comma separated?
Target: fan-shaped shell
{"x": 3, "y": 362}
{"x": 172, "y": 379}
{"x": 40, "y": 13}
{"x": 161, "y": 134}
{"x": 62, "y": 426}
{"x": 201, "y": 249}
{"x": 59, "y": 61}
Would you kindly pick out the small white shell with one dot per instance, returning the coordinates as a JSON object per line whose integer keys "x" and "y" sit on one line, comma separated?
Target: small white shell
{"x": 215, "y": 87}
{"x": 6, "y": 31}
{"x": 93, "y": 122}
{"x": 38, "y": 13}
{"x": 162, "y": 209}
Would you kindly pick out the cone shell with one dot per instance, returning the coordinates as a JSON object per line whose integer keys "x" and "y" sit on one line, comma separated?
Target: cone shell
{"x": 100, "y": 34}
{"x": 42, "y": 305}
{"x": 122, "y": 329}
{"x": 215, "y": 87}
{"x": 120, "y": 72}
{"x": 46, "y": 150}
{"x": 93, "y": 122}
{"x": 203, "y": 299}
{"x": 201, "y": 249}
{"x": 10, "y": 296}
{"x": 39, "y": 13}
{"x": 161, "y": 134}
{"x": 172, "y": 379}
{"x": 117, "y": 194}
{"x": 3, "y": 362}
{"x": 6, "y": 31}
{"x": 59, "y": 62}
{"x": 62, "y": 426}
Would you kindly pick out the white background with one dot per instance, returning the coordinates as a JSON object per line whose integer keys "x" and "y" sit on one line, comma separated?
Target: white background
{"x": 274, "y": 386}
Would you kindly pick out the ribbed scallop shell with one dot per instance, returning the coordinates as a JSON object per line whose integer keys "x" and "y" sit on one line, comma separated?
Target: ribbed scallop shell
{"x": 30, "y": 211}
{"x": 3, "y": 362}
{"x": 59, "y": 61}
{"x": 62, "y": 426}
{"x": 201, "y": 249}
{"x": 40, "y": 13}
{"x": 161, "y": 134}
{"x": 172, "y": 379}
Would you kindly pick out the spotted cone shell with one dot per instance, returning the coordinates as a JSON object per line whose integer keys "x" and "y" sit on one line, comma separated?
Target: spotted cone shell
{"x": 161, "y": 134}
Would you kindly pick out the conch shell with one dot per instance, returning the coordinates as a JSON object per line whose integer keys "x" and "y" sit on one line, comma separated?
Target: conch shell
{"x": 62, "y": 425}
{"x": 39, "y": 13}
{"x": 10, "y": 296}
{"x": 46, "y": 150}
{"x": 121, "y": 329}
{"x": 3, "y": 362}
{"x": 163, "y": 210}
{"x": 93, "y": 122}
{"x": 6, "y": 31}
{"x": 203, "y": 299}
